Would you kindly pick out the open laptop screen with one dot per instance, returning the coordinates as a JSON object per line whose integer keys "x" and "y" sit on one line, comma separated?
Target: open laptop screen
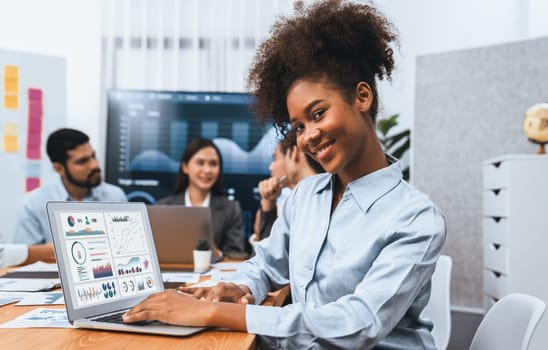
{"x": 105, "y": 253}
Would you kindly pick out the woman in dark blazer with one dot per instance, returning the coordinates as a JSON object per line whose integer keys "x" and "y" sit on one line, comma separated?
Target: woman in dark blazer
{"x": 200, "y": 183}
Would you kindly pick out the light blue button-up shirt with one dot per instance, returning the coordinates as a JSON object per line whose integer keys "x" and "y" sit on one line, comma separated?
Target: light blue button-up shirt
{"x": 359, "y": 277}
{"x": 31, "y": 223}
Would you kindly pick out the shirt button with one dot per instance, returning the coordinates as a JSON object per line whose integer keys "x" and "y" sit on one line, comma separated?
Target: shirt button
{"x": 301, "y": 286}
{"x": 308, "y": 267}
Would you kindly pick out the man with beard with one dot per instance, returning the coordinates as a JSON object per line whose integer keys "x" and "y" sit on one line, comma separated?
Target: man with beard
{"x": 79, "y": 179}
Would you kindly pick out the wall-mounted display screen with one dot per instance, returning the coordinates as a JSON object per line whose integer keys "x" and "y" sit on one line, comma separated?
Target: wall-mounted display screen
{"x": 147, "y": 132}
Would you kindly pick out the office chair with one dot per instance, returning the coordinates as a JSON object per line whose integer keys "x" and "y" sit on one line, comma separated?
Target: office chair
{"x": 509, "y": 324}
{"x": 438, "y": 309}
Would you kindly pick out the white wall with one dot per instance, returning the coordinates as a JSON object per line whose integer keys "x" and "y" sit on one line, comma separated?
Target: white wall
{"x": 72, "y": 29}
{"x": 65, "y": 28}
{"x": 431, "y": 26}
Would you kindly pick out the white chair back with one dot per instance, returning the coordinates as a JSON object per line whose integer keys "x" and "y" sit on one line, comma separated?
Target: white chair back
{"x": 438, "y": 309}
{"x": 509, "y": 323}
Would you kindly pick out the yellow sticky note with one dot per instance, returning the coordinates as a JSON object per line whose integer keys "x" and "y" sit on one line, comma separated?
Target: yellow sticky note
{"x": 11, "y": 101}
{"x": 11, "y": 86}
{"x": 11, "y": 143}
{"x": 10, "y": 128}
{"x": 11, "y": 71}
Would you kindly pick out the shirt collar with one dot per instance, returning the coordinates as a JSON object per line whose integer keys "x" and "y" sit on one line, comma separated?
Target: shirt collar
{"x": 91, "y": 196}
{"x": 205, "y": 204}
{"x": 367, "y": 189}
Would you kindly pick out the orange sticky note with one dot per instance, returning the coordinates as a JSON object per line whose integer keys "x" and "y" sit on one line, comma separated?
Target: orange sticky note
{"x": 11, "y": 101}
{"x": 11, "y": 86}
{"x": 11, "y": 71}
{"x": 11, "y": 143}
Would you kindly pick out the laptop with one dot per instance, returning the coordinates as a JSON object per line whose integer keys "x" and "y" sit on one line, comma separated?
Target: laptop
{"x": 177, "y": 229}
{"x": 107, "y": 263}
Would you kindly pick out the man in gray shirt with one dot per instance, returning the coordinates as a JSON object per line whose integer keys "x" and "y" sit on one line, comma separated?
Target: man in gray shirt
{"x": 79, "y": 179}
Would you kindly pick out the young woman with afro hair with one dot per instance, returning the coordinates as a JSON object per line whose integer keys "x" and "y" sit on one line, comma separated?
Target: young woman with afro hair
{"x": 357, "y": 244}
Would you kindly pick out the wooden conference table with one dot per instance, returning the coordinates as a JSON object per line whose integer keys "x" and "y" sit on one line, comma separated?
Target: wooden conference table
{"x": 74, "y": 338}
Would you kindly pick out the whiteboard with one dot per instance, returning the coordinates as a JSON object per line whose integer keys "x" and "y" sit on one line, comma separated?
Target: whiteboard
{"x": 32, "y": 105}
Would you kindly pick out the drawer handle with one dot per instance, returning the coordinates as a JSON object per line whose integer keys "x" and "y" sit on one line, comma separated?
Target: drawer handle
{"x": 496, "y": 246}
{"x": 496, "y": 218}
{"x": 497, "y": 274}
{"x": 496, "y": 192}
{"x": 497, "y": 164}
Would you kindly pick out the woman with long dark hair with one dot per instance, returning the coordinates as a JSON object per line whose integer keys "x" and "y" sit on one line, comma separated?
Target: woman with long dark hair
{"x": 200, "y": 183}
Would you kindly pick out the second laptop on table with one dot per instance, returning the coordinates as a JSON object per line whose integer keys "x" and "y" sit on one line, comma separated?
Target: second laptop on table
{"x": 177, "y": 229}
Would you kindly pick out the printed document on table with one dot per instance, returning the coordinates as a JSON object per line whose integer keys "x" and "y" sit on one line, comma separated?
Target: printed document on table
{"x": 40, "y": 318}
{"x": 37, "y": 266}
{"x": 183, "y": 277}
{"x": 50, "y": 298}
{"x": 28, "y": 284}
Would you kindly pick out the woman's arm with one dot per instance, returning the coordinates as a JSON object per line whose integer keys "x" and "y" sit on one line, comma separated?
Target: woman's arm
{"x": 40, "y": 252}
{"x": 178, "y": 308}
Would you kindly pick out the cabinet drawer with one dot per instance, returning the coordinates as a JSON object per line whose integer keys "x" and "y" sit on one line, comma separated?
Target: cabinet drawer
{"x": 489, "y": 301}
{"x": 496, "y": 203}
{"x": 496, "y": 175}
{"x": 496, "y": 231}
{"x": 495, "y": 284}
{"x": 495, "y": 257}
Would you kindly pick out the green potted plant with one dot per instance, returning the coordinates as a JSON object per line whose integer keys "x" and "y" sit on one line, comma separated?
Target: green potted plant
{"x": 395, "y": 144}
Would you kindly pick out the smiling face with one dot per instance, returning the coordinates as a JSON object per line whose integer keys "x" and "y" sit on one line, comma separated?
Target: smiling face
{"x": 337, "y": 134}
{"x": 203, "y": 169}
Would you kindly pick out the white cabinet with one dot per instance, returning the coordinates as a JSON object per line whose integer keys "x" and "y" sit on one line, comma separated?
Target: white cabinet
{"x": 515, "y": 231}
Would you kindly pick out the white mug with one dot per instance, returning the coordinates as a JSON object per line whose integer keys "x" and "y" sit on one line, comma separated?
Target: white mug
{"x": 202, "y": 259}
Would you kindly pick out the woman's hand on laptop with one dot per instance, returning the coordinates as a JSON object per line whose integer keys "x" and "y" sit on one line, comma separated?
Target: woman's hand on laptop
{"x": 175, "y": 307}
{"x": 170, "y": 307}
{"x": 226, "y": 292}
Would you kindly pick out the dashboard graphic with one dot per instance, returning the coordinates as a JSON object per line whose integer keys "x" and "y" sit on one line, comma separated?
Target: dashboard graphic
{"x": 85, "y": 224}
{"x": 126, "y": 233}
{"x": 134, "y": 265}
{"x": 108, "y": 256}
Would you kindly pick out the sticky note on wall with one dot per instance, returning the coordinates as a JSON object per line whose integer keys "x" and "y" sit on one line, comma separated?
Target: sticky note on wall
{"x": 11, "y": 87}
{"x": 31, "y": 183}
{"x": 10, "y": 138}
{"x": 34, "y": 123}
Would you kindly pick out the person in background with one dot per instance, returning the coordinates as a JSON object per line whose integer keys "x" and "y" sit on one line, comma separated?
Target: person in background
{"x": 273, "y": 192}
{"x": 79, "y": 179}
{"x": 296, "y": 166}
{"x": 357, "y": 245}
{"x": 22, "y": 254}
{"x": 200, "y": 183}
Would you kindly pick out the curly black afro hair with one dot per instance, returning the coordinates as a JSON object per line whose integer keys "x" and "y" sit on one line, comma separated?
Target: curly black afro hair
{"x": 333, "y": 41}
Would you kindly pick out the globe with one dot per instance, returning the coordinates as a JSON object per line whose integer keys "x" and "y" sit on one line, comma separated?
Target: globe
{"x": 535, "y": 125}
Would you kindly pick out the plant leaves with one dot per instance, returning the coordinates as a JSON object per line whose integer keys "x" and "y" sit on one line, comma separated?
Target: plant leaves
{"x": 384, "y": 125}
{"x": 396, "y": 144}
{"x": 394, "y": 139}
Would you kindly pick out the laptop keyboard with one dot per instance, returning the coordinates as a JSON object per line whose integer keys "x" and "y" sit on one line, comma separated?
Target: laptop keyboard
{"x": 173, "y": 285}
{"x": 117, "y": 318}
{"x": 112, "y": 318}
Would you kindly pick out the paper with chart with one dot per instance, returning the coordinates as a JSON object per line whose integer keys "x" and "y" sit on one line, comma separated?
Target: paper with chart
{"x": 28, "y": 285}
{"x": 40, "y": 318}
{"x": 51, "y": 298}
